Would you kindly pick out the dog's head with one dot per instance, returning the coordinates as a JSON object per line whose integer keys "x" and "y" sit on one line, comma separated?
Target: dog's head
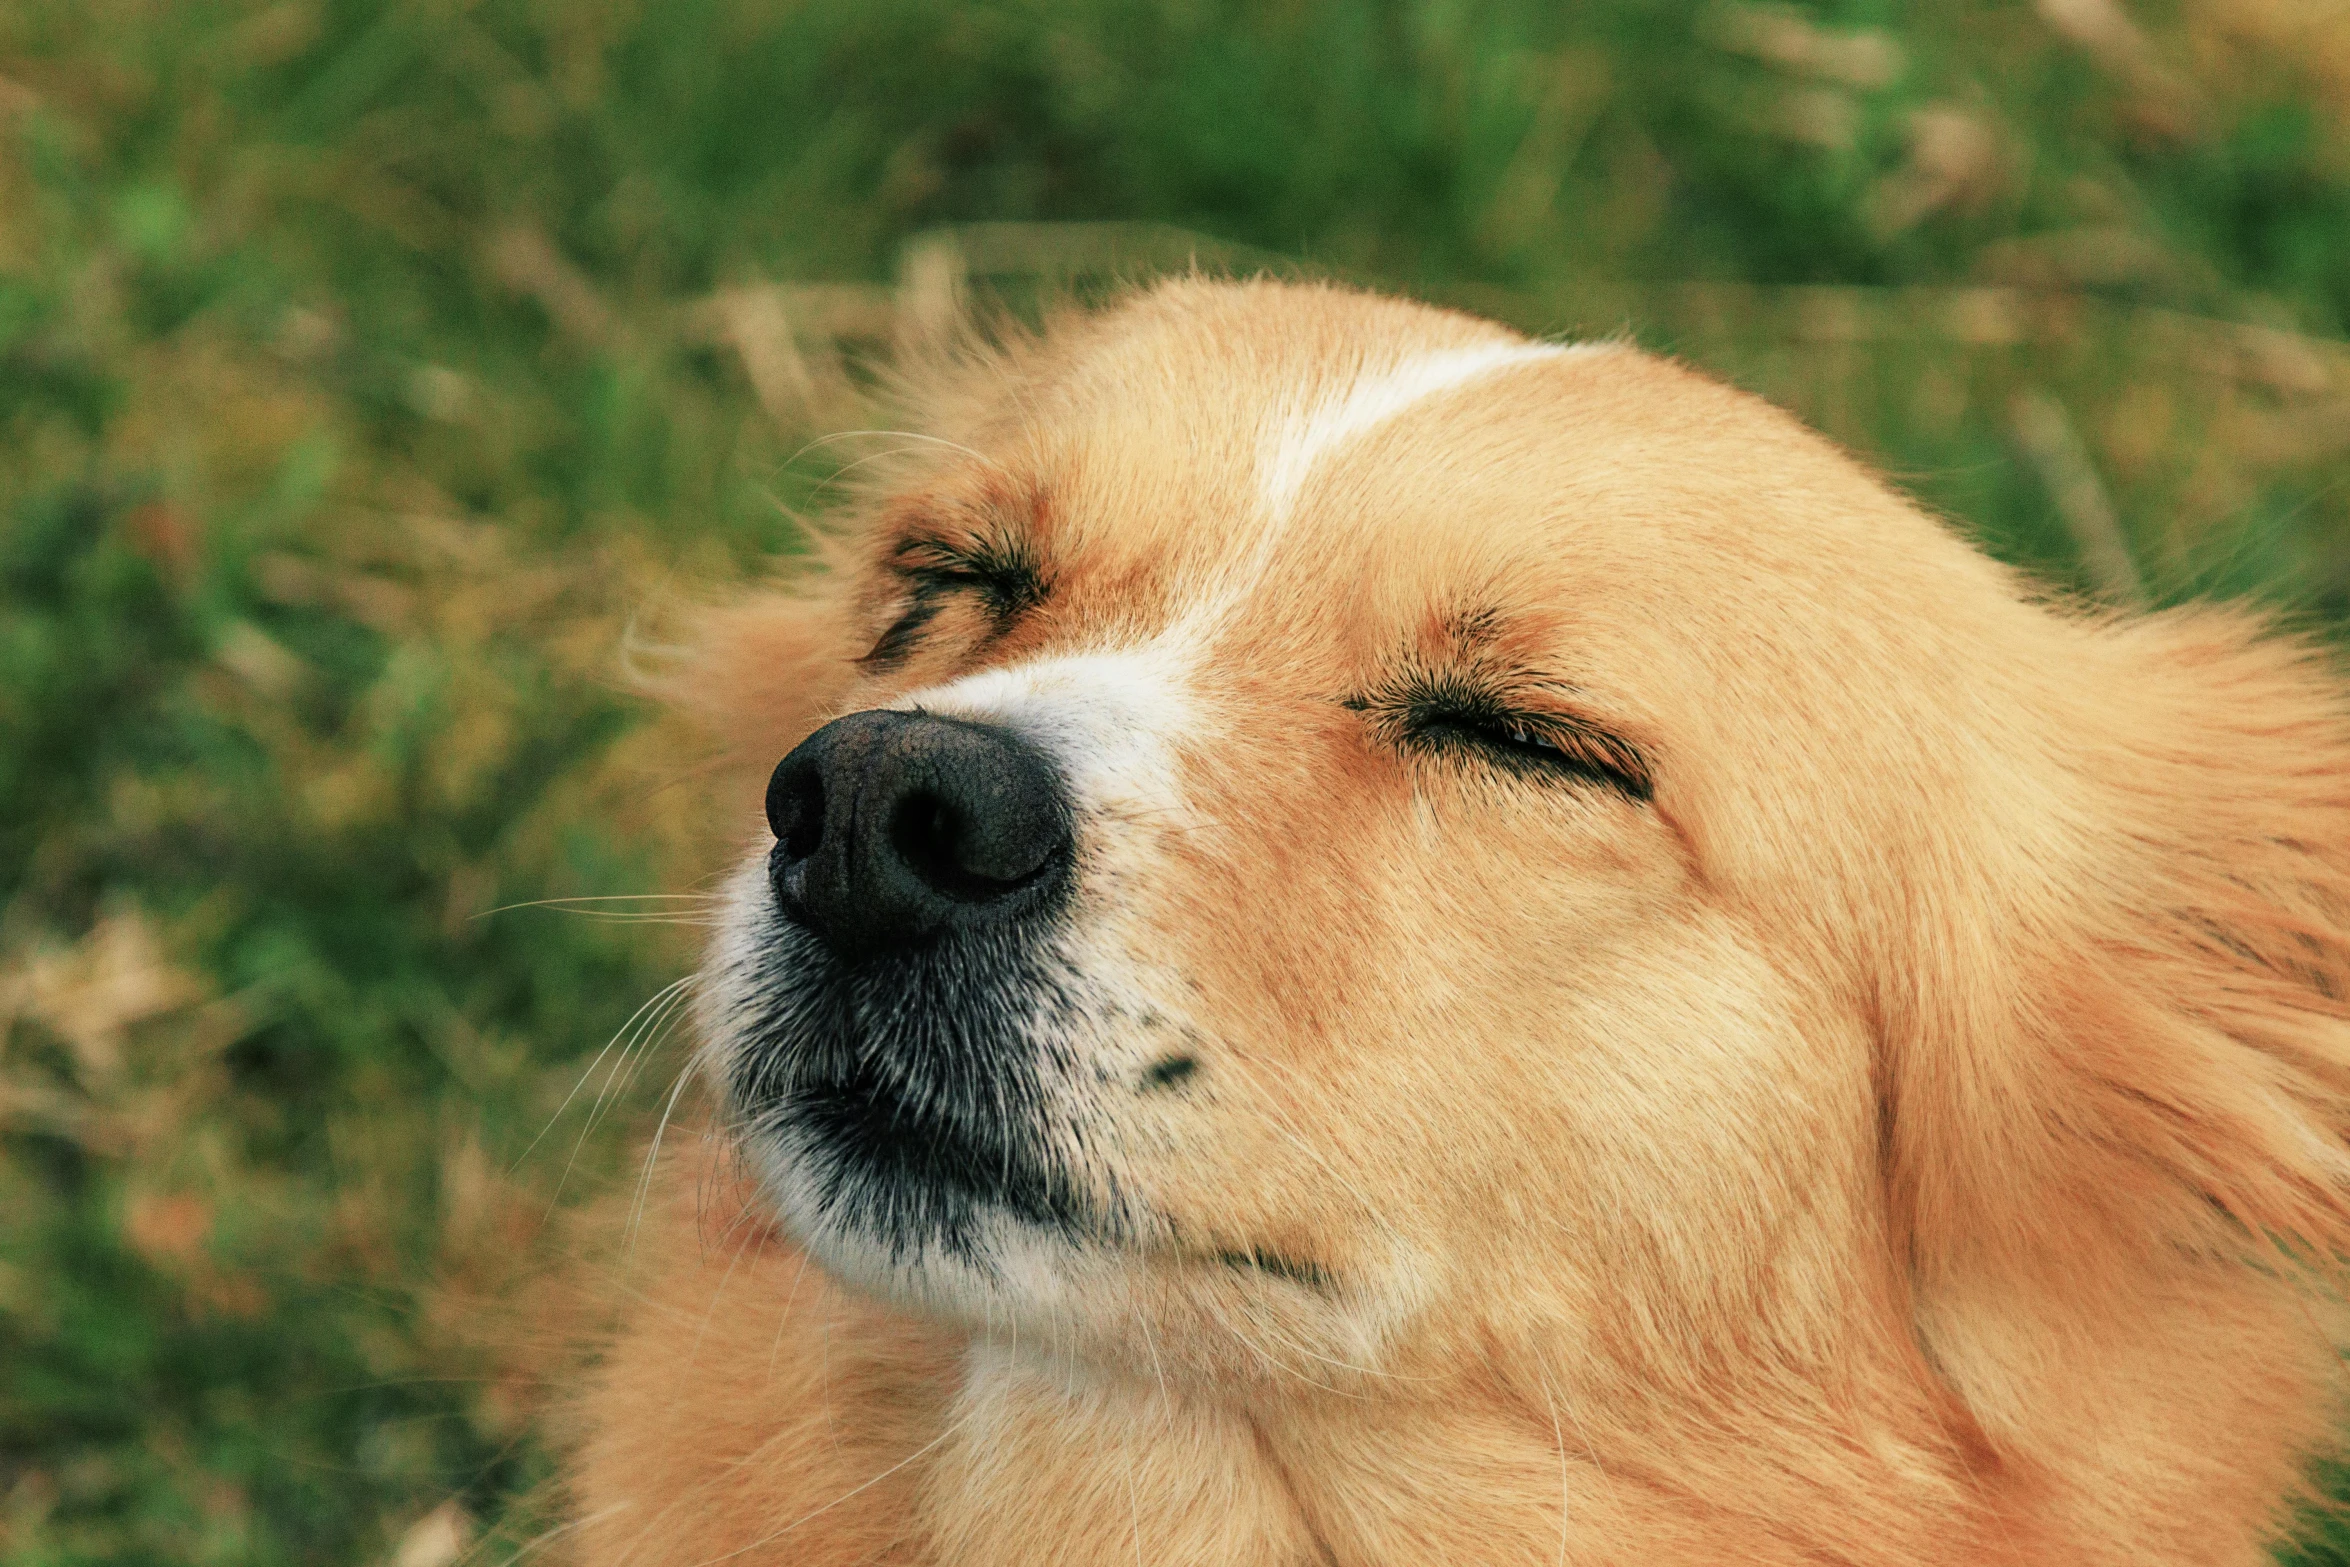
{"x": 1336, "y": 838}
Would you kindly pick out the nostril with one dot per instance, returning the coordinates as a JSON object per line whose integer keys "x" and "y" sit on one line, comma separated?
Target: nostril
{"x": 955, "y": 856}
{"x": 795, "y": 811}
{"x": 923, "y": 831}
{"x": 971, "y": 857}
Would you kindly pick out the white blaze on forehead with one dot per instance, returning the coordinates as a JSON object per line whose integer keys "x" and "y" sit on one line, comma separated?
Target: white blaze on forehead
{"x": 1298, "y": 442}
{"x": 1294, "y": 442}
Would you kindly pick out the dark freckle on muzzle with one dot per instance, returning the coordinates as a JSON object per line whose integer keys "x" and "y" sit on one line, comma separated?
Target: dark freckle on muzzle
{"x": 894, "y": 828}
{"x": 1172, "y": 1072}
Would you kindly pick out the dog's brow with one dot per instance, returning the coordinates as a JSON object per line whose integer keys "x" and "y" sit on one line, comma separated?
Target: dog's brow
{"x": 1473, "y": 628}
{"x": 961, "y": 528}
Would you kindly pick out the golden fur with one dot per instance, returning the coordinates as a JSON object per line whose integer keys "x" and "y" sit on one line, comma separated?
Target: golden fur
{"x": 1915, "y": 1135}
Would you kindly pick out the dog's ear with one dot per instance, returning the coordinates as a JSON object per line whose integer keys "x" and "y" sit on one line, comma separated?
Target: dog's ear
{"x": 760, "y": 670}
{"x": 2128, "y": 1045}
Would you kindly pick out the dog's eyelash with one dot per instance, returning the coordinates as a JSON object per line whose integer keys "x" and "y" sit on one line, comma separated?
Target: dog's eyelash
{"x": 1573, "y": 749}
{"x": 892, "y": 646}
{"x": 1007, "y": 582}
{"x": 1449, "y": 719}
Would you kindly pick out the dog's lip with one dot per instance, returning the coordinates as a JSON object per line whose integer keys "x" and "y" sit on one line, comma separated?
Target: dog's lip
{"x": 1285, "y": 1267}
{"x": 1302, "y": 1272}
{"x": 1247, "y": 1260}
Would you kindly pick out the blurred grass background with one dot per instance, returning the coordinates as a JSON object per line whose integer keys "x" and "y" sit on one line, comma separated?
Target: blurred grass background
{"x": 365, "y": 365}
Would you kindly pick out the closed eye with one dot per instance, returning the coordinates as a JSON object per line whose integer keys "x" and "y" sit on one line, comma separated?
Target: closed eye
{"x": 1003, "y": 581}
{"x": 1463, "y": 721}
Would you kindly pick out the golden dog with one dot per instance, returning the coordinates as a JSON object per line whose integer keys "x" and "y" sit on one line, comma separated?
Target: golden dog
{"x": 1388, "y": 944}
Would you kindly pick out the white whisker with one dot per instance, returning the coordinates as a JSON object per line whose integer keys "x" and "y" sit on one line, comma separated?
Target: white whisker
{"x": 549, "y": 1536}
{"x": 644, "y": 1185}
{"x": 899, "y": 435}
{"x": 651, "y": 1001}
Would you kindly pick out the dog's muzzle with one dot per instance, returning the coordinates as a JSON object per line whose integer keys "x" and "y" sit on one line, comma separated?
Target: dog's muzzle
{"x": 899, "y": 1038}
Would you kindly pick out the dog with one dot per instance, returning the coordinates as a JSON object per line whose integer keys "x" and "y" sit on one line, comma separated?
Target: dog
{"x": 1377, "y": 942}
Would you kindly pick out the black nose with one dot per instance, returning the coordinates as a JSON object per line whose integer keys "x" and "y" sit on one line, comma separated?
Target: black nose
{"x": 893, "y": 827}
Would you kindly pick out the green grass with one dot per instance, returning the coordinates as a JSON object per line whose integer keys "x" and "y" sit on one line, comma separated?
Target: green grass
{"x": 364, "y": 366}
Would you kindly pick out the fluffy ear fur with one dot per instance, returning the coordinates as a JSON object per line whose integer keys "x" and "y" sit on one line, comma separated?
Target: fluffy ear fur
{"x": 2138, "y": 1093}
{"x": 763, "y": 669}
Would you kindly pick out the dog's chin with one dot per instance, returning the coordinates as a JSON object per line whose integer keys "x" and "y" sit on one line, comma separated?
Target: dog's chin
{"x": 913, "y": 1208}
{"x": 993, "y": 1270}
{"x": 1091, "y": 1304}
